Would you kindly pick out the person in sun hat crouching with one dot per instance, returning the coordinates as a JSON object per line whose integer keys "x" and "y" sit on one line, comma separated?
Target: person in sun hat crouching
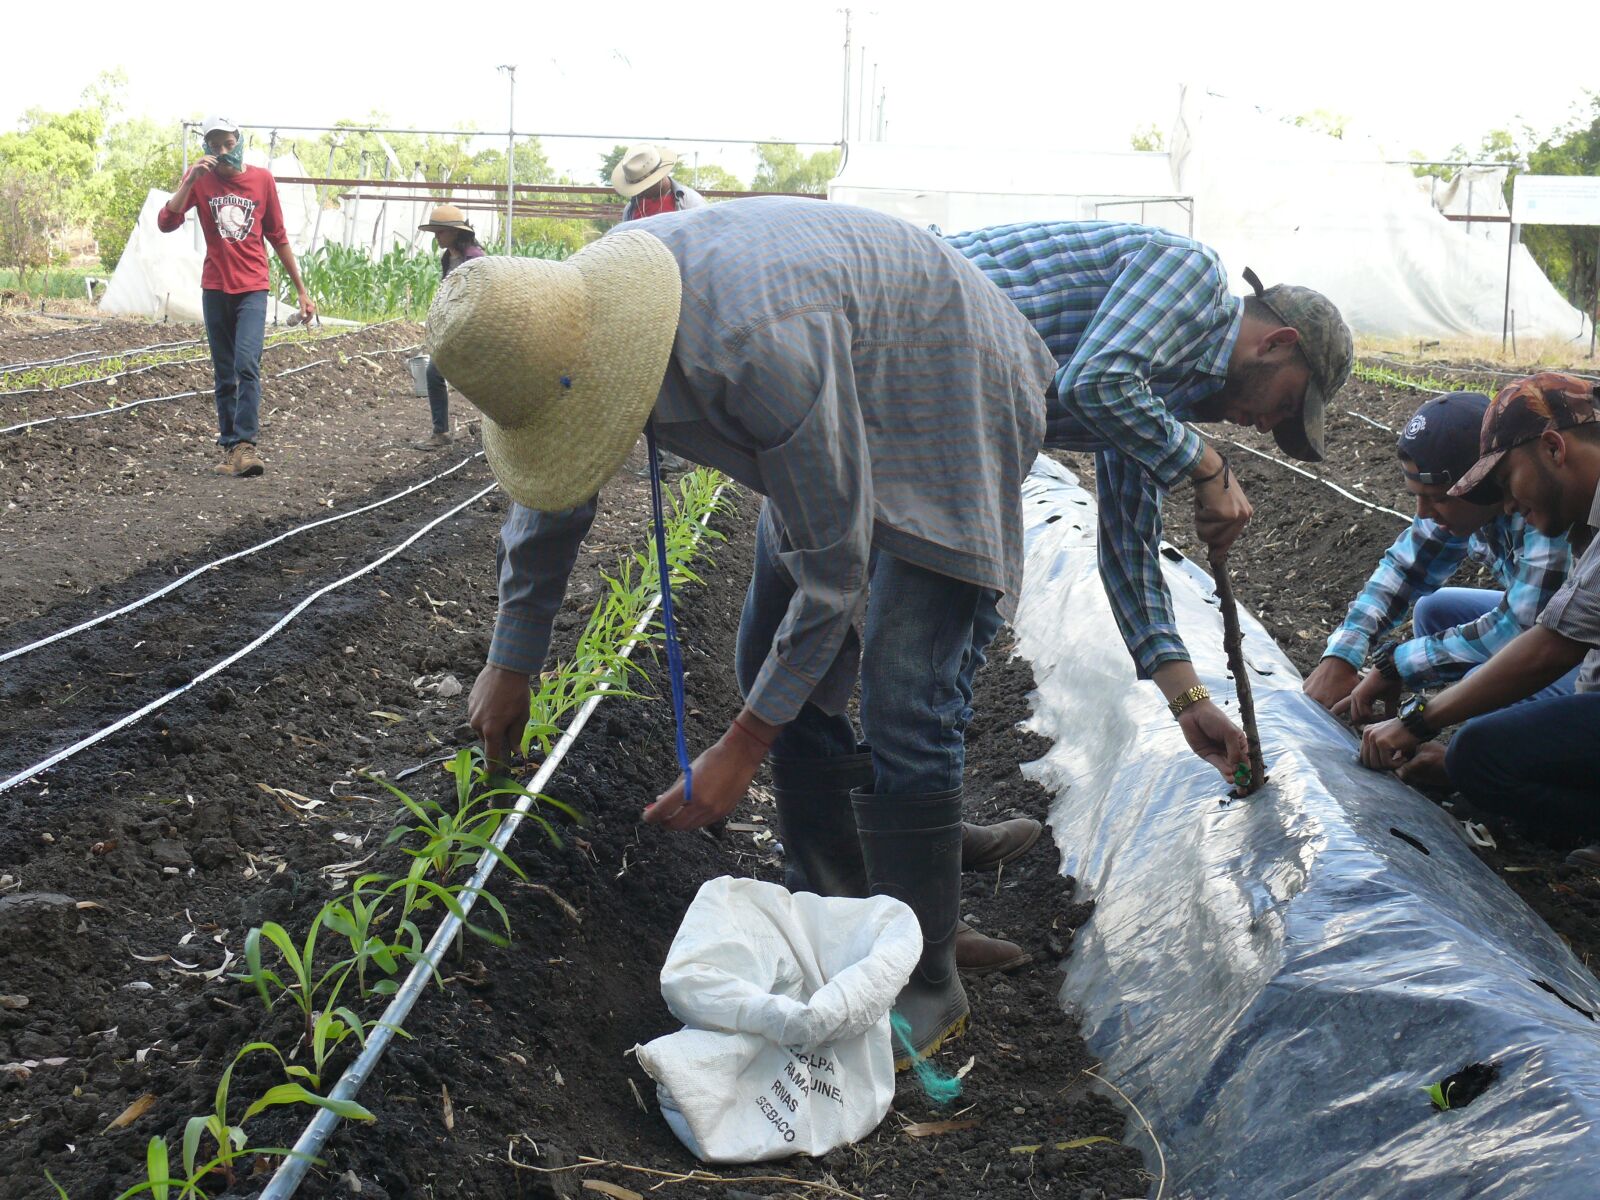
{"x": 884, "y": 398}
{"x": 239, "y": 215}
{"x": 1536, "y": 760}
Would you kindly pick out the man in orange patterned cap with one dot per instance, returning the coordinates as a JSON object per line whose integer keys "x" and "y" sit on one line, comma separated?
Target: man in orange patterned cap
{"x": 1538, "y": 762}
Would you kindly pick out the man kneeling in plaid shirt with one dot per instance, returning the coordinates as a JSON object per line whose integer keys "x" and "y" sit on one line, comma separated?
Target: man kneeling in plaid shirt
{"x": 1455, "y": 629}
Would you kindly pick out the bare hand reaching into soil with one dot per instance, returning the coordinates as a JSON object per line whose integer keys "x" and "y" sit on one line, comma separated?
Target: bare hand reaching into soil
{"x": 722, "y": 776}
{"x": 1331, "y": 681}
{"x": 1360, "y": 706}
{"x": 497, "y": 710}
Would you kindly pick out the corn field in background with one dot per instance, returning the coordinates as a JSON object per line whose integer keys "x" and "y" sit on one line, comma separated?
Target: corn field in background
{"x": 346, "y": 282}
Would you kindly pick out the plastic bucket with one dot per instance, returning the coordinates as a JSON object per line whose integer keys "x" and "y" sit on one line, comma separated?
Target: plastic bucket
{"x": 419, "y": 373}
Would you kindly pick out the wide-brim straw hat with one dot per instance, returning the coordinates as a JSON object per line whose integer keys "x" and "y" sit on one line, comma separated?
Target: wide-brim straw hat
{"x": 641, "y": 168}
{"x": 447, "y": 216}
{"x": 564, "y": 359}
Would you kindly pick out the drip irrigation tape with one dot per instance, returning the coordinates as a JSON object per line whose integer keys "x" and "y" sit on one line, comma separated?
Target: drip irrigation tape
{"x": 85, "y": 357}
{"x": 221, "y": 665}
{"x": 169, "y": 588}
{"x": 1324, "y": 482}
{"x": 106, "y": 412}
{"x": 288, "y": 1176}
{"x": 1369, "y": 421}
{"x": 282, "y": 339}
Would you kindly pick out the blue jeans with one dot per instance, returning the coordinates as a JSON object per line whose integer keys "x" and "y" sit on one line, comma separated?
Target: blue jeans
{"x": 438, "y": 400}
{"x": 1449, "y": 607}
{"x": 236, "y": 326}
{"x": 924, "y": 641}
{"x": 1537, "y": 762}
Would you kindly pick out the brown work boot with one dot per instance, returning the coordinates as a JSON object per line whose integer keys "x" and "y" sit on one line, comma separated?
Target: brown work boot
{"x": 978, "y": 954}
{"x": 434, "y": 441}
{"x": 229, "y": 464}
{"x": 990, "y": 847}
{"x": 248, "y": 461}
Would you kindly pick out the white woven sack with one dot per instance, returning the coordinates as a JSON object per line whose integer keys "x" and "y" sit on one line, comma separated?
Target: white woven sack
{"x": 786, "y": 1000}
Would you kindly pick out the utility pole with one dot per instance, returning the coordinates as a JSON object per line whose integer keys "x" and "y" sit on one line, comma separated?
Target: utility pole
{"x": 511, "y": 146}
{"x": 844, "y": 111}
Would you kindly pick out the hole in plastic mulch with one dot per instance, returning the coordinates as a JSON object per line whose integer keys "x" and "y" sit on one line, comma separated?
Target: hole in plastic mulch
{"x": 1572, "y": 1004}
{"x": 1411, "y": 841}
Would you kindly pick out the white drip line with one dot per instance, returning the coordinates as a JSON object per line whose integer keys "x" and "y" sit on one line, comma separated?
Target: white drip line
{"x": 85, "y": 357}
{"x": 169, "y": 588}
{"x": 106, "y": 412}
{"x": 221, "y": 665}
{"x": 283, "y": 338}
{"x": 289, "y": 1175}
{"x": 1325, "y": 482}
{"x": 1487, "y": 372}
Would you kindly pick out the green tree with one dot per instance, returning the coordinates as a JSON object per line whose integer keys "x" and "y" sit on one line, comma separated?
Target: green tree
{"x": 709, "y": 177}
{"x": 1321, "y": 120}
{"x": 62, "y": 148}
{"x": 1148, "y": 137}
{"x": 783, "y": 168}
{"x": 127, "y": 187}
{"x": 609, "y": 161}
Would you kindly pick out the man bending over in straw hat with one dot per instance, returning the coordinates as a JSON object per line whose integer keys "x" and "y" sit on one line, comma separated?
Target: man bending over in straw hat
{"x": 885, "y": 399}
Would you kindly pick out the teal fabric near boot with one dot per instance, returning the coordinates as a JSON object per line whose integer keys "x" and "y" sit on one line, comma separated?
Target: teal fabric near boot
{"x": 912, "y": 849}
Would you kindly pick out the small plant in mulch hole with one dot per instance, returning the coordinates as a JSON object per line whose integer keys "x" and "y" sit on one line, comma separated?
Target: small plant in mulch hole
{"x": 1462, "y": 1088}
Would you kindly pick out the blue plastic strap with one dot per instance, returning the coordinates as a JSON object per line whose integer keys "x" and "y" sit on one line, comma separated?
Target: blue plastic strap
{"x": 664, "y": 579}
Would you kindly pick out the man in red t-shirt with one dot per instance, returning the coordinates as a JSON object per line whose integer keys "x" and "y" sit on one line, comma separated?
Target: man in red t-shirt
{"x": 239, "y": 214}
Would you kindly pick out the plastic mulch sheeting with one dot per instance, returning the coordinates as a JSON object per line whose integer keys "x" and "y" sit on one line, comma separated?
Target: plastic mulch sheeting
{"x": 1273, "y": 981}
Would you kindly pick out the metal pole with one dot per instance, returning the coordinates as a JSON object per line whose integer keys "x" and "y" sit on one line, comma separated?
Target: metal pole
{"x": 511, "y": 148}
{"x": 316, "y": 226}
{"x": 355, "y": 205}
{"x": 861, "y": 98}
{"x": 873, "y": 92}
{"x": 383, "y": 213}
{"x": 1505, "y": 321}
{"x": 1594, "y": 306}
{"x": 844, "y": 109}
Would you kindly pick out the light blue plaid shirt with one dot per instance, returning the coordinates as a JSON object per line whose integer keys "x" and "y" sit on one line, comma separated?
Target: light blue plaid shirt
{"x": 1141, "y": 324}
{"x": 1528, "y": 565}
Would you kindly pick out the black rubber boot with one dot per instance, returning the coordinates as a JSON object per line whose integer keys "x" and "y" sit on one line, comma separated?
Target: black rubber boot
{"x": 912, "y": 849}
{"x": 817, "y": 823}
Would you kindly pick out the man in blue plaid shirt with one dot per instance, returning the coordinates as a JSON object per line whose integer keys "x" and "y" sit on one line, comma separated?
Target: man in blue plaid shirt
{"x": 1455, "y": 629}
{"x": 1146, "y": 336}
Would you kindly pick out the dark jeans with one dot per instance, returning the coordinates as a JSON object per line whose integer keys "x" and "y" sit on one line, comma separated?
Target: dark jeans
{"x": 924, "y": 641}
{"x": 1537, "y": 762}
{"x": 1449, "y": 607}
{"x": 438, "y": 400}
{"x": 236, "y": 325}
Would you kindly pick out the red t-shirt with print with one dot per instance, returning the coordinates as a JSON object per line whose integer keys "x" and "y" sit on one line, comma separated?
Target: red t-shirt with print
{"x": 238, "y": 216}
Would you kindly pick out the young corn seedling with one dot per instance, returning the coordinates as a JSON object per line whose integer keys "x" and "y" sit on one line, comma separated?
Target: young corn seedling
{"x": 1439, "y": 1093}
{"x": 229, "y": 1138}
{"x": 303, "y": 986}
{"x": 158, "y": 1181}
{"x": 356, "y": 918}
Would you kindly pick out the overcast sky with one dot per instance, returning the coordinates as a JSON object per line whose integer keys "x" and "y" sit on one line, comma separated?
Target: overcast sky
{"x": 1419, "y": 78}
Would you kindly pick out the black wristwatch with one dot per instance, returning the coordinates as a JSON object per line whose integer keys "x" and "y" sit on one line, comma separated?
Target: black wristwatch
{"x": 1416, "y": 724}
{"x": 1383, "y": 661}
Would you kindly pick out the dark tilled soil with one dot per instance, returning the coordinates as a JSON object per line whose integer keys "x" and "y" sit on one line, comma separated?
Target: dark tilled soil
{"x": 27, "y": 338}
{"x": 1305, "y": 557}
{"x": 136, "y": 867}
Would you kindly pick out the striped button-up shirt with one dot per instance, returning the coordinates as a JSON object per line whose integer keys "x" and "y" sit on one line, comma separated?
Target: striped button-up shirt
{"x": 1141, "y": 324}
{"x": 1528, "y": 565}
{"x": 861, "y": 375}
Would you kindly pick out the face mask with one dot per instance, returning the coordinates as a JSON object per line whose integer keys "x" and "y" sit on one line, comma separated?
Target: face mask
{"x": 232, "y": 159}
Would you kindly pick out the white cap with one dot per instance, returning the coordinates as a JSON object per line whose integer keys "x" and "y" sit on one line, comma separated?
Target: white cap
{"x": 217, "y": 125}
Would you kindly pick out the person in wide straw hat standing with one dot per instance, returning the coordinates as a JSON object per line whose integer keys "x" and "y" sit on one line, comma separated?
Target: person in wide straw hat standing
{"x": 886, "y": 399}
{"x": 457, "y": 243}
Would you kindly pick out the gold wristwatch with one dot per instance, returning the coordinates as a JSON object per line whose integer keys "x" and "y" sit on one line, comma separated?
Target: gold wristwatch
{"x": 1182, "y": 701}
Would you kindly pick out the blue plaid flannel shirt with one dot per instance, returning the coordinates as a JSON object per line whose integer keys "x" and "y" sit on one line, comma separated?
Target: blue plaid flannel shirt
{"x": 1141, "y": 324}
{"x": 1528, "y": 565}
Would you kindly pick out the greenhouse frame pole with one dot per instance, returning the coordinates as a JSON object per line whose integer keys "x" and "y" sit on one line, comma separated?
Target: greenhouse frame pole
{"x": 511, "y": 146}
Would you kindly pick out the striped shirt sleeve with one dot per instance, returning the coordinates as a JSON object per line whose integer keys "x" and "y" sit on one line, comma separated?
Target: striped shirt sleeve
{"x": 1418, "y": 564}
{"x": 1538, "y": 568}
{"x": 535, "y": 557}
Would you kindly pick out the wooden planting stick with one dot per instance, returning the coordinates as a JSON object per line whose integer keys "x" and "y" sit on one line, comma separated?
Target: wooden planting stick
{"x": 1233, "y": 646}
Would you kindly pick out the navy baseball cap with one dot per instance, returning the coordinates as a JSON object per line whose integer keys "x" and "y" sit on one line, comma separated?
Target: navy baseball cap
{"x": 1441, "y": 439}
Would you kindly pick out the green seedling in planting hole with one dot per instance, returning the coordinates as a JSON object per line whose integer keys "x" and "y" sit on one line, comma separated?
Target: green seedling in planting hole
{"x": 303, "y": 986}
{"x": 158, "y": 1179}
{"x": 357, "y": 916}
{"x": 229, "y": 1138}
{"x": 1440, "y": 1094}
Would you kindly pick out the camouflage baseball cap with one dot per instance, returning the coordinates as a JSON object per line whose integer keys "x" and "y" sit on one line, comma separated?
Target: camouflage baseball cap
{"x": 1525, "y": 410}
{"x": 1328, "y": 348}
